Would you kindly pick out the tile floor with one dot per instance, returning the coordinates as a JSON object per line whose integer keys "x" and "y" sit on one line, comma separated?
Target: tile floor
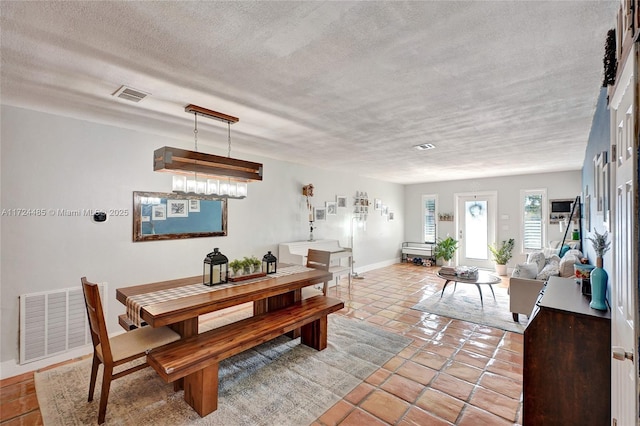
{"x": 454, "y": 372}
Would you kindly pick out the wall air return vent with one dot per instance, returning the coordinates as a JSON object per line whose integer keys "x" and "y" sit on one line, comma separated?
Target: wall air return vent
{"x": 53, "y": 322}
{"x": 129, "y": 94}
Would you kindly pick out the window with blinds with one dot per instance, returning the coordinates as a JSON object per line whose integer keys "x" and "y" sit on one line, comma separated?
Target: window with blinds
{"x": 429, "y": 218}
{"x": 533, "y": 236}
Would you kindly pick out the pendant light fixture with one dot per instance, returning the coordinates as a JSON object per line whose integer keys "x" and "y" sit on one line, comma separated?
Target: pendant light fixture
{"x": 207, "y": 174}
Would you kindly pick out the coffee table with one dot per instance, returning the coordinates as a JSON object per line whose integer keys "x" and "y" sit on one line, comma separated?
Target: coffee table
{"x": 484, "y": 277}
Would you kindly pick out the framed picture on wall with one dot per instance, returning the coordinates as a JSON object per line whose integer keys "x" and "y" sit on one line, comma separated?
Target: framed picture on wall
{"x": 332, "y": 208}
{"x": 159, "y": 212}
{"x": 605, "y": 196}
{"x": 587, "y": 212}
{"x": 194, "y": 206}
{"x": 341, "y": 201}
{"x": 599, "y": 162}
{"x": 177, "y": 208}
{"x": 320, "y": 213}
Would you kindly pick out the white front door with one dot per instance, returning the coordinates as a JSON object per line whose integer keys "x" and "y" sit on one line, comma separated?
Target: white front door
{"x": 475, "y": 228}
{"x": 624, "y": 279}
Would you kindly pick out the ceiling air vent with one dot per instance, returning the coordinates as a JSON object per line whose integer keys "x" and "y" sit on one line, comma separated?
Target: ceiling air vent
{"x": 129, "y": 94}
{"x": 424, "y": 146}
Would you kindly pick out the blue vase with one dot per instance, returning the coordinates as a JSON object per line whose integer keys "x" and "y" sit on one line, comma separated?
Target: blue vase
{"x": 599, "y": 279}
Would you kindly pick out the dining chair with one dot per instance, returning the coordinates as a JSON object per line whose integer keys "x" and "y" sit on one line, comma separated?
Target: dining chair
{"x": 317, "y": 259}
{"x": 117, "y": 350}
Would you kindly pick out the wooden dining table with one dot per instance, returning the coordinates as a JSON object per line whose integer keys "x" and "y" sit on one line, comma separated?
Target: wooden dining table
{"x": 178, "y": 303}
{"x": 181, "y": 312}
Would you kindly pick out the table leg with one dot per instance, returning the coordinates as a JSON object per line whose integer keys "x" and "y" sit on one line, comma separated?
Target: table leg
{"x": 480, "y": 291}
{"x": 201, "y": 390}
{"x": 492, "y": 292}
{"x": 445, "y": 286}
{"x": 186, "y": 328}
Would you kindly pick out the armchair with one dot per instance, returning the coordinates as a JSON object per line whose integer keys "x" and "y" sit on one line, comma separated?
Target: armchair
{"x": 523, "y": 293}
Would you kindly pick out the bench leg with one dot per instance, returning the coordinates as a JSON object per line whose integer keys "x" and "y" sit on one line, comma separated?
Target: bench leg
{"x": 314, "y": 334}
{"x": 201, "y": 390}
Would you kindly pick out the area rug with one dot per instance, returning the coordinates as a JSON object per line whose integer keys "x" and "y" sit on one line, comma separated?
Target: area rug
{"x": 278, "y": 383}
{"x": 464, "y": 304}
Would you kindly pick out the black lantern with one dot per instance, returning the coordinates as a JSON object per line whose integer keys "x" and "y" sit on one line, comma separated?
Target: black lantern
{"x": 215, "y": 269}
{"x": 269, "y": 263}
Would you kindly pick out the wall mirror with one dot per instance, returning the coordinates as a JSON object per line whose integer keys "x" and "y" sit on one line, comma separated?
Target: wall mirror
{"x": 160, "y": 216}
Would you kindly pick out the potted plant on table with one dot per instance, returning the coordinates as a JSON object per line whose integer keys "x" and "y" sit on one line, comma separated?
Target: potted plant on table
{"x": 445, "y": 249}
{"x": 236, "y": 266}
{"x": 247, "y": 265}
{"x": 256, "y": 264}
{"x": 502, "y": 255}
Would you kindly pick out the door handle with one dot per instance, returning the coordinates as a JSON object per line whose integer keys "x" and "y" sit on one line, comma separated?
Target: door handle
{"x": 620, "y": 354}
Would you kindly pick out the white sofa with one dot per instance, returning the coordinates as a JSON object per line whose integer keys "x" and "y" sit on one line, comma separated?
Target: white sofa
{"x": 527, "y": 279}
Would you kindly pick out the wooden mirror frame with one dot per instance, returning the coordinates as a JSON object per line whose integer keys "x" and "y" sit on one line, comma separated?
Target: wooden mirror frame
{"x": 137, "y": 216}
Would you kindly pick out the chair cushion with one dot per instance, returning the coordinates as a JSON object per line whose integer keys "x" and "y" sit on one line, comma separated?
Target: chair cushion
{"x": 139, "y": 341}
{"x": 525, "y": 270}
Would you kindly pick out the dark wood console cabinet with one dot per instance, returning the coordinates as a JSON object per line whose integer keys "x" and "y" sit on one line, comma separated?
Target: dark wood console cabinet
{"x": 567, "y": 359}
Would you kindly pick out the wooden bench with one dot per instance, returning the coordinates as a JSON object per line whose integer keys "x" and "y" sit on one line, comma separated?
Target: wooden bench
{"x": 127, "y": 324}
{"x": 196, "y": 358}
{"x": 424, "y": 250}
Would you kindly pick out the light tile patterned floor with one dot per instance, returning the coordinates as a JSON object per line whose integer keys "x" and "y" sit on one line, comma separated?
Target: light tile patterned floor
{"x": 454, "y": 372}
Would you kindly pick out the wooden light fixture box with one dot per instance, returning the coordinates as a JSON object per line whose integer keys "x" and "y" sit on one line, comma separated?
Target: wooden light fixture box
{"x": 182, "y": 161}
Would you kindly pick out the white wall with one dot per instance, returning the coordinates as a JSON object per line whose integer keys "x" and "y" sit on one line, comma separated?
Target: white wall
{"x": 51, "y": 162}
{"x": 558, "y": 185}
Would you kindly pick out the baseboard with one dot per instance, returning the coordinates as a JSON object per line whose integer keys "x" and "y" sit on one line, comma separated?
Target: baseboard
{"x": 378, "y": 265}
{"x": 11, "y": 367}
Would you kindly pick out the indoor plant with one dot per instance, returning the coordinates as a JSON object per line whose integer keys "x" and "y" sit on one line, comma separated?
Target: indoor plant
{"x": 502, "y": 255}
{"x": 247, "y": 265}
{"x": 445, "y": 249}
{"x": 235, "y": 266}
{"x": 601, "y": 244}
{"x": 256, "y": 264}
{"x": 599, "y": 276}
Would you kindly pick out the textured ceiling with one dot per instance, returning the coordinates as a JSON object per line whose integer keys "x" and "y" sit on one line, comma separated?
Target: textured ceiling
{"x": 500, "y": 88}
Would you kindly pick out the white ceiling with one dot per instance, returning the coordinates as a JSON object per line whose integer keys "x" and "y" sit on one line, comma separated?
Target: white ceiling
{"x": 500, "y": 88}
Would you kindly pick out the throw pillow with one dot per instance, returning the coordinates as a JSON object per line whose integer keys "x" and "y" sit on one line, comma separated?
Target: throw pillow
{"x": 537, "y": 257}
{"x": 553, "y": 258}
{"x": 566, "y": 265}
{"x": 575, "y": 252}
{"x": 565, "y": 248}
{"x": 525, "y": 270}
{"x": 552, "y": 269}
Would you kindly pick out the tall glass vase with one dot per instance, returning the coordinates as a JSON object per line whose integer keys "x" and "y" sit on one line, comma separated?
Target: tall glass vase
{"x": 599, "y": 279}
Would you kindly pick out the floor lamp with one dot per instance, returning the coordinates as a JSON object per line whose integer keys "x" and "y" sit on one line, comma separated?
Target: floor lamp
{"x": 354, "y": 274}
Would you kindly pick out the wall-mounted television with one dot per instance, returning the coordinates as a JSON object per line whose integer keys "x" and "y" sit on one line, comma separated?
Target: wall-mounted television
{"x": 560, "y": 209}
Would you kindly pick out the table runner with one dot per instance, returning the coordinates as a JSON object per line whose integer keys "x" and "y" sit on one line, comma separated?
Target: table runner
{"x": 137, "y": 302}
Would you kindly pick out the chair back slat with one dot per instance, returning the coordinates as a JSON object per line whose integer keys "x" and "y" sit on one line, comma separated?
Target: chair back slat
{"x": 318, "y": 259}
{"x": 95, "y": 314}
